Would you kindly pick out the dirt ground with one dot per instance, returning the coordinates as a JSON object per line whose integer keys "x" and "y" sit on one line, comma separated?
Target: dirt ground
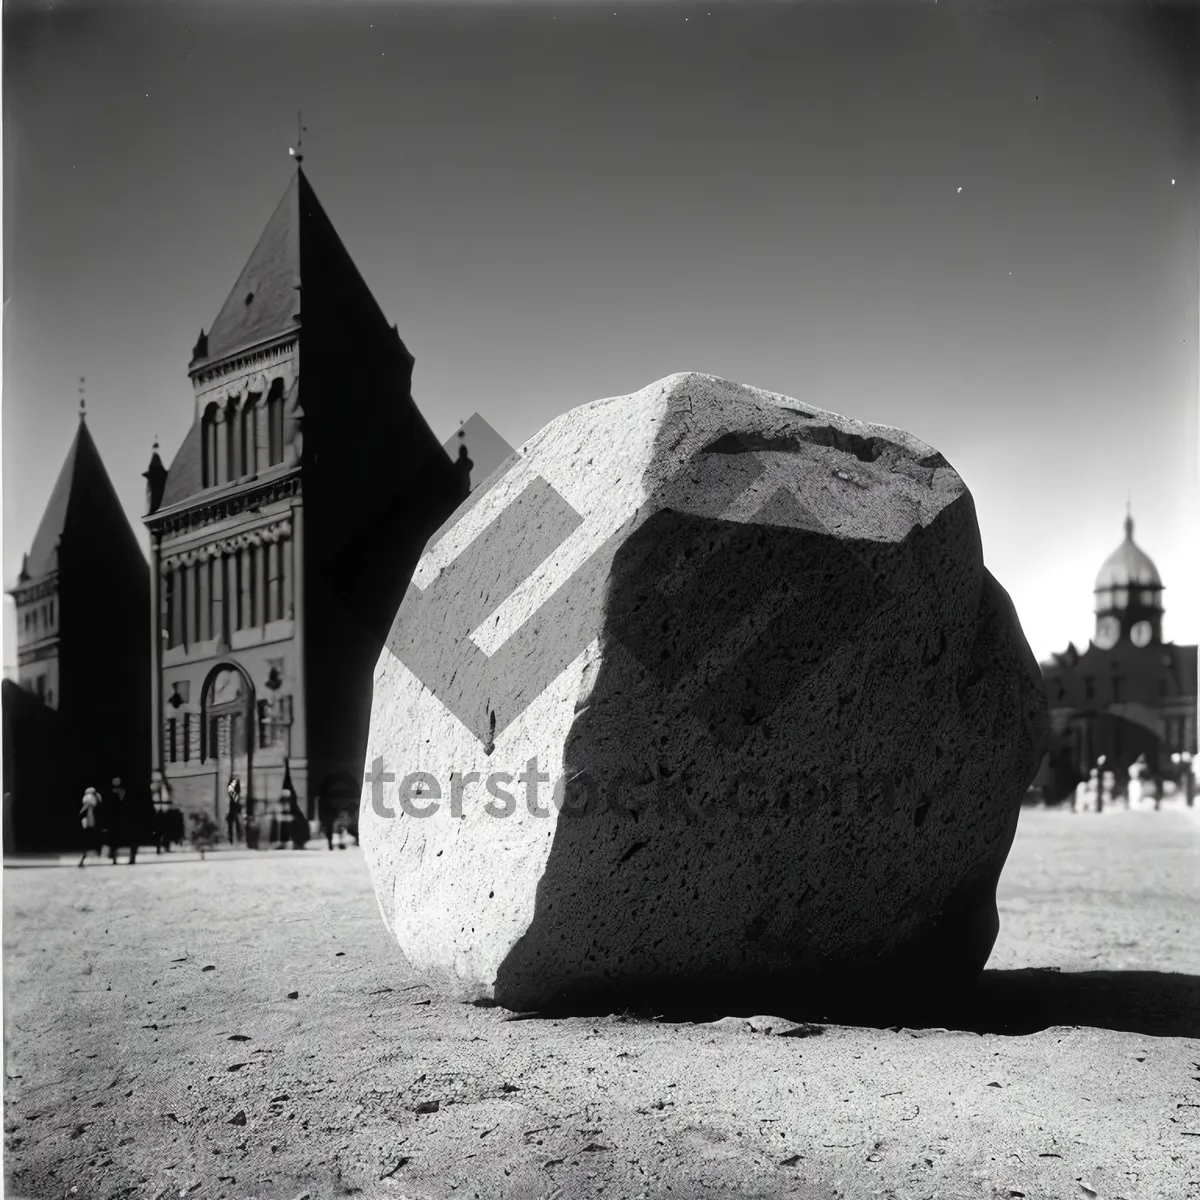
{"x": 244, "y": 1027}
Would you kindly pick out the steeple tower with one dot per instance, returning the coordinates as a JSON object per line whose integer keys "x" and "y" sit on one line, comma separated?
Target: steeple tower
{"x": 288, "y": 524}
{"x": 1128, "y": 595}
{"x": 82, "y": 602}
{"x": 155, "y": 476}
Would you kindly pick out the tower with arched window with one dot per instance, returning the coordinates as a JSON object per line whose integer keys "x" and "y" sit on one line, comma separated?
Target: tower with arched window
{"x": 82, "y": 655}
{"x": 288, "y": 525}
{"x": 1130, "y": 694}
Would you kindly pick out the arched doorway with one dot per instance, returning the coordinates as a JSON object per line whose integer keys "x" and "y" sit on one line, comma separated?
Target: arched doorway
{"x": 227, "y": 732}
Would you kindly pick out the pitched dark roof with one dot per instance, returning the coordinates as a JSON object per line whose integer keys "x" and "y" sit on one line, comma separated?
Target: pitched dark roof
{"x": 298, "y": 244}
{"x": 83, "y": 504}
{"x": 485, "y": 447}
{"x": 184, "y": 476}
{"x": 265, "y": 301}
{"x": 299, "y": 240}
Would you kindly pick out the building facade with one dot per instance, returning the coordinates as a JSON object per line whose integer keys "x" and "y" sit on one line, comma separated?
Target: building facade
{"x": 1129, "y": 694}
{"x": 83, "y": 662}
{"x": 286, "y": 528}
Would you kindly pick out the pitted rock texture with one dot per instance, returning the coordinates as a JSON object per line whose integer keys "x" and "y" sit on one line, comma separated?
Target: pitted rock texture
{"x": 703, "y": 688}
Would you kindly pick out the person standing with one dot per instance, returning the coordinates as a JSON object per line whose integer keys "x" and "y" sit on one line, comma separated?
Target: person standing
{"x": 329, "y": 811}
{"x": 1108, "y": 791}
{"x": 297, "y": 822}
{"x": 160, "y": 796}
{"x": 1089, "y": 799}
{"x": 89, "y": 819}
{"x": 1133, "y": 789}
{"x": 233, "y": 818}
{"x": 121, "y": 823}
{"x": 325, "y": 811}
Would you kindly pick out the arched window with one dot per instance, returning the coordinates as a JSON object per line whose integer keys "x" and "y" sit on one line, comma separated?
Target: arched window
{"x": 275, "y": 423}
{"x": 208, "y": 446}
{"x": 232, "y": 448}
{"x": 249, "y": 436}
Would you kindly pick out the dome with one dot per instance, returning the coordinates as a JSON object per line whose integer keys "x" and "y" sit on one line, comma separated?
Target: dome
{"x": 1128, "y": 566}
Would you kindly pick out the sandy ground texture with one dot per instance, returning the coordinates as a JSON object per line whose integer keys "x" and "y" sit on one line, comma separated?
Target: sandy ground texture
{"x": 243, "y": 1027}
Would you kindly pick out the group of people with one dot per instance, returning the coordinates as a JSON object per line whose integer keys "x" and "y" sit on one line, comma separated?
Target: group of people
{"x": 1102, "y": 789}
{"x": 116, "y": 821}
{"x": 290, "y": 824}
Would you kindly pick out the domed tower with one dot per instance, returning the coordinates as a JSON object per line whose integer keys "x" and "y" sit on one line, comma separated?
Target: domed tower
{"x": 1128, "y": 595}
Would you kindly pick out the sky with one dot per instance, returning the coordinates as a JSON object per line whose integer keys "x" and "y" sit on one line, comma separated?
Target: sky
{"x": 977, "y": 222}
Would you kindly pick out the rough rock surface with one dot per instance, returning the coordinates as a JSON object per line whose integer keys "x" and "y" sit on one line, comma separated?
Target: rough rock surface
{"x": 703, "y": 687}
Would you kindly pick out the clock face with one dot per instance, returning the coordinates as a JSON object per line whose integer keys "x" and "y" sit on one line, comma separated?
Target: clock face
{"x": 1141, "y": 633}
{"x": 1108, "y": 630}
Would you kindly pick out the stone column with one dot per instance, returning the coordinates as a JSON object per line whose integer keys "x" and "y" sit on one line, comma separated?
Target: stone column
{"x": 298, "y": 734}
{"x": 156, "y": 649}
{"x": 204, "y": 600}
{"x": 175, "y": 612}
{"x": 245, "y": 583}
{"x": 187, "y": 580}
{"x": 288, "y": 572}
{"x": 260, "y": 583}
{"x": 220, "y": 625}
{"x": 275, "y": 580}
{"x": 221, "y": 463}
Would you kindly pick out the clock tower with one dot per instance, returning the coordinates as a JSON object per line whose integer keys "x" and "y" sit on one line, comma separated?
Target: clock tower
{"x": 1128, "y": 595}
{"x": 1130, "y": 694}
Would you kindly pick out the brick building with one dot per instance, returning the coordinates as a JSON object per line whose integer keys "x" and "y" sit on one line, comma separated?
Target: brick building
{"x": 83, "y": 661}
{"x": 287, "y": 527}
{"x": 1129, "y": 693}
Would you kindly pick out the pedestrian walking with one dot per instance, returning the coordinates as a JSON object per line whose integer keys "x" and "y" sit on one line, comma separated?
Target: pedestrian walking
{"x": 332, "y": 820}
{"x": 1108, "y": 791}
{"x": 1087, "y": 794}
{"x": 298, "y": 822}
{"x": 160, "y": 796}
{"x": 89, "y": 820}
{"x": 325, "y": 812}
{"x": 1135, "y": 789}
{"x": 122, "y": 826}
{"x": 233, "y": 818}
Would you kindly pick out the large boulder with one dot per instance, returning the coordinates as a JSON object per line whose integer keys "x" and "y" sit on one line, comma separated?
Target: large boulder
{"x": 704, "y": 686}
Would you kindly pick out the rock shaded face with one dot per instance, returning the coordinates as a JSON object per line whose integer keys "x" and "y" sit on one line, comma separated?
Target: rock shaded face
{"x": 704, "y": 688}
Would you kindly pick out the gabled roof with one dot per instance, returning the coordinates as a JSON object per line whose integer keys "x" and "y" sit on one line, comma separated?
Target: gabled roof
{"x": 485, "y": 447}
{"x": 83, "y": 504}
{"x": 184, "y": 476}
{"x": 299, "y": 247}
{"x": 299, "y": 240}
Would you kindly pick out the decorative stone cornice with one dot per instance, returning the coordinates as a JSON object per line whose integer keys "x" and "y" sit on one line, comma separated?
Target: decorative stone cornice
{"x": 262, "y": 357}
{"x": 35, "y": 589}
{"x": 262, "y": 535}
{"x": 202, "y": 509}
{"x": 39, "y": 651}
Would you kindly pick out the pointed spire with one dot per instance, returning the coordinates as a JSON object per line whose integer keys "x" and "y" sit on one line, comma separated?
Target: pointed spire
{"x": 265, "y": 302}
{"x": 83, "y": 506}
{"x": 24, "y": 576}
{"x": 297, "y": 151}
{"x": 82, "y": 399}
{"x": 155, "y": 476}
{"x": 1129, "y": 517}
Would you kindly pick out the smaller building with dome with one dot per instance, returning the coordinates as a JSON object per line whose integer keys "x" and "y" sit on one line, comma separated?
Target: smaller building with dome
{"x": 1129, "y": 694}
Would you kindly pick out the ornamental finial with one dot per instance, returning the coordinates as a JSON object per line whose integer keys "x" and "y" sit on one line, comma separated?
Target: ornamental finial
{"x": 297, "y": 151}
